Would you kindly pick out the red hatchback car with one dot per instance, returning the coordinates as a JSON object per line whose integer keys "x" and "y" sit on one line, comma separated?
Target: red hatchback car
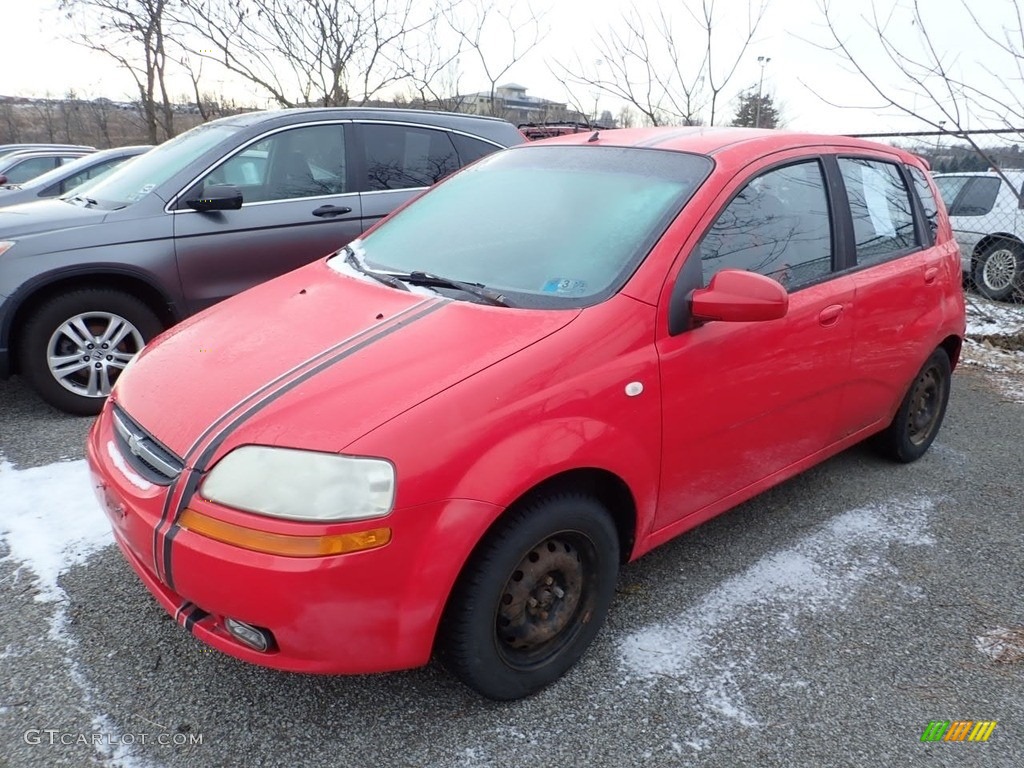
{"x": 454, "y": 431}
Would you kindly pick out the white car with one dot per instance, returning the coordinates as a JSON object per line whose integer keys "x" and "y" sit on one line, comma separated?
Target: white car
{"x": 988, "y": 222}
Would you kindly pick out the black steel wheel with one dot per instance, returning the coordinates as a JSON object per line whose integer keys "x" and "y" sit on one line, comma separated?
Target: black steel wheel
{"x": 920, "y": 415}
{"x": 532, "y": 597}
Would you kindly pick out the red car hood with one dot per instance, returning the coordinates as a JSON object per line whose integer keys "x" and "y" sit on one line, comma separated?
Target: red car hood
{"x": 314, "y": 359}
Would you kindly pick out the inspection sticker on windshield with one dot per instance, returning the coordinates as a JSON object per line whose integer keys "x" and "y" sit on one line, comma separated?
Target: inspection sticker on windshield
{"x": 564, "y": 287}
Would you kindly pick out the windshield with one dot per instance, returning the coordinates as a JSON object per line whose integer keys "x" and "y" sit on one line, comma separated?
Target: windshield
{"x": 131, "y": 182}
{"x": 558, "y": 226}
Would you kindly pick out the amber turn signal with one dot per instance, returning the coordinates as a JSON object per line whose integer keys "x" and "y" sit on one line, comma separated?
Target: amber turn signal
{"x": 283, "y": 544}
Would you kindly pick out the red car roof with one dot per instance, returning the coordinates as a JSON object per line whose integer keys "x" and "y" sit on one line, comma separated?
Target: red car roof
{"x": 709, "y": 141}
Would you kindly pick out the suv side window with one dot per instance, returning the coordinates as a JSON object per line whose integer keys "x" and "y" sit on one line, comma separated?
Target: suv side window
{"x": 405, "y": 157}
{"x": 300, "y": 162}
{"x": 778, "y": 225}
{"x": 470, "y": 149}
{"x": 977, "y": 198}
{"x": 883, "y": 219}
{"x": 928, "y": 204}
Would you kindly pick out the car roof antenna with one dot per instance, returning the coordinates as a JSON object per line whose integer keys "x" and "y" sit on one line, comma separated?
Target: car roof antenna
{"x": 595, "y": 137}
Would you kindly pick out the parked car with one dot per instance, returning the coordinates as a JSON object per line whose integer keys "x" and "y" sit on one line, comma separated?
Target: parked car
{"x": 449, "y": 434}
{"x": 19, "y": 167}
{"x": 6, "y": 149}
{"x": 70, "y": 176}
{"x": 216, "y": 210}
{"x": 985, "y": 210}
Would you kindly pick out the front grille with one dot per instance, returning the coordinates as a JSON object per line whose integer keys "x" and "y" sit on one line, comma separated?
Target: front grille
{"x": 144, "y": 452}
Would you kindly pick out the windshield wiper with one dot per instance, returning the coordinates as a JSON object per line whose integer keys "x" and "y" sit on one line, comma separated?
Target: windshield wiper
{"x": 353, "y": 261}
{"x": 437, "y": 281}
{"x": 89, "y": 202}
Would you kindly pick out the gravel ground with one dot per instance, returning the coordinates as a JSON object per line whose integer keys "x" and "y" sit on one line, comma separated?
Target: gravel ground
{"x": 823, "y": 624}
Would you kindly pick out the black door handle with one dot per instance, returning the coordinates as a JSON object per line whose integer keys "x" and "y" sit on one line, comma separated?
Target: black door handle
{"x": 327, "y": 211}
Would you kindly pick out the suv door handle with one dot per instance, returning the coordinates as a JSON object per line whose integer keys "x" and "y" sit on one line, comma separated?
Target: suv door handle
{"x": 327, "y": 211}
{"x": 930, "y": 274}
{"x": 830, "y": 315}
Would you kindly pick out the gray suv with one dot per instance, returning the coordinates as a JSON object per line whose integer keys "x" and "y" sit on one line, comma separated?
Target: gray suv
{"x": 86, "y": 280}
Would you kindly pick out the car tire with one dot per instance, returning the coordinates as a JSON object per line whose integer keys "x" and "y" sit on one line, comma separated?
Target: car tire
{"x": 920, "y": 415}
{"x": 999, "y": 270}
{"x": 61, "y": 330}
{"x": 532, "y": 597}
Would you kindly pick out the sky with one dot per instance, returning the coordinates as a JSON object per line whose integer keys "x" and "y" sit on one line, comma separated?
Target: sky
{"x": 35, "y": 34}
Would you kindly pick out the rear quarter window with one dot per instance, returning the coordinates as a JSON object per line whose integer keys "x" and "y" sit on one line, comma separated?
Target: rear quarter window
{"x": 977, "y": 197}
{"x": 928, "y": 203}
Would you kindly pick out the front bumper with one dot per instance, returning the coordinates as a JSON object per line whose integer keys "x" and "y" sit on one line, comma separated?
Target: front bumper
{"x": 364, "y": 612}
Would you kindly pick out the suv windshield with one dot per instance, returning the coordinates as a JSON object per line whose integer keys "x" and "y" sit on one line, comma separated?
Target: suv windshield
{"x": 131, "y": 182}
{"x": 558, "y": 226}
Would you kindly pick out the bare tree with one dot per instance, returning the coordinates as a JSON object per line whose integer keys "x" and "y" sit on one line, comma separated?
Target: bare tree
{"x": 649, "y": 61}
{"x": 12, "y": 129}
{"x": 431, "y": 68}
{"x": 135, "y": 34}
{"x": 72, "y": 123}
{"x": 498, "y": 37}
{"x": 309, "y": 52}
{"x": 46, "y": 112}
{"x": 919, "y": 78}
{"x": 99, "y": 111}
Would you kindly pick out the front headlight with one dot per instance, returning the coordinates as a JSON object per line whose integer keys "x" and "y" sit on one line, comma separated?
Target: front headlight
{"x": 302, "y": 485}
{"x": 5, "y": 246}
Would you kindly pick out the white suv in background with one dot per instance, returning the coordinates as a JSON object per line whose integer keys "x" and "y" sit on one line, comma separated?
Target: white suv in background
{"x": 988, "y": 222}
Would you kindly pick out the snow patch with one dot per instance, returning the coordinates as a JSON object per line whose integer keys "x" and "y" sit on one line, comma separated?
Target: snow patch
{"x": 130, "y": 475}
{"x": 51, "y": 521}
{"x": 1002, "y": 644}
{"x": 821, "y": 572}
{"x": 990, "y": 318}
{"x": 1003, "y": 361}
{"x": 339, "y": 265}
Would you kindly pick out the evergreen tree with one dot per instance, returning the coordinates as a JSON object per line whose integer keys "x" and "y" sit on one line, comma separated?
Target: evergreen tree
{"x": 747, "y": 112}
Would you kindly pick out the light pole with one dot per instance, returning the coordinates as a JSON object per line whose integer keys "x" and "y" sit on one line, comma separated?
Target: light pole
{"x": 763, "y": 61}
{"x": 938, "y": 139}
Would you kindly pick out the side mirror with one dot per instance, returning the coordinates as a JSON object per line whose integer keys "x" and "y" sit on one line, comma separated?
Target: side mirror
{"x": 736, "y": 296}
{"x": 217, "y": 197}
{"x": 3, "y": 179}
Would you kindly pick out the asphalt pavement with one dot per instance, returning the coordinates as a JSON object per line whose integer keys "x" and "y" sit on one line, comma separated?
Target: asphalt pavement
{"x": 825, "y": 623}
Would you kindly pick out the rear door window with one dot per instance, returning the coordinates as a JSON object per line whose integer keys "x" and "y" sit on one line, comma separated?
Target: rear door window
{"x": 406, "y": 157}
{"x": 883, "y": 219}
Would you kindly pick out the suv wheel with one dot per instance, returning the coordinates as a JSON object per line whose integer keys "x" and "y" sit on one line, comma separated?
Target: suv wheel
{"x": 74, "y": 346}
{"x": 999, "y": 270}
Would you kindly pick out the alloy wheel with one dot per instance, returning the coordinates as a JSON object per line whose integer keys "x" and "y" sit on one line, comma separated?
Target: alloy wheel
{"x": 87, "y": 352}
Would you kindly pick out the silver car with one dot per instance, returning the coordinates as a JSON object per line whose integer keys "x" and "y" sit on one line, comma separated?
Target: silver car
{"x": 985, "y": 211}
